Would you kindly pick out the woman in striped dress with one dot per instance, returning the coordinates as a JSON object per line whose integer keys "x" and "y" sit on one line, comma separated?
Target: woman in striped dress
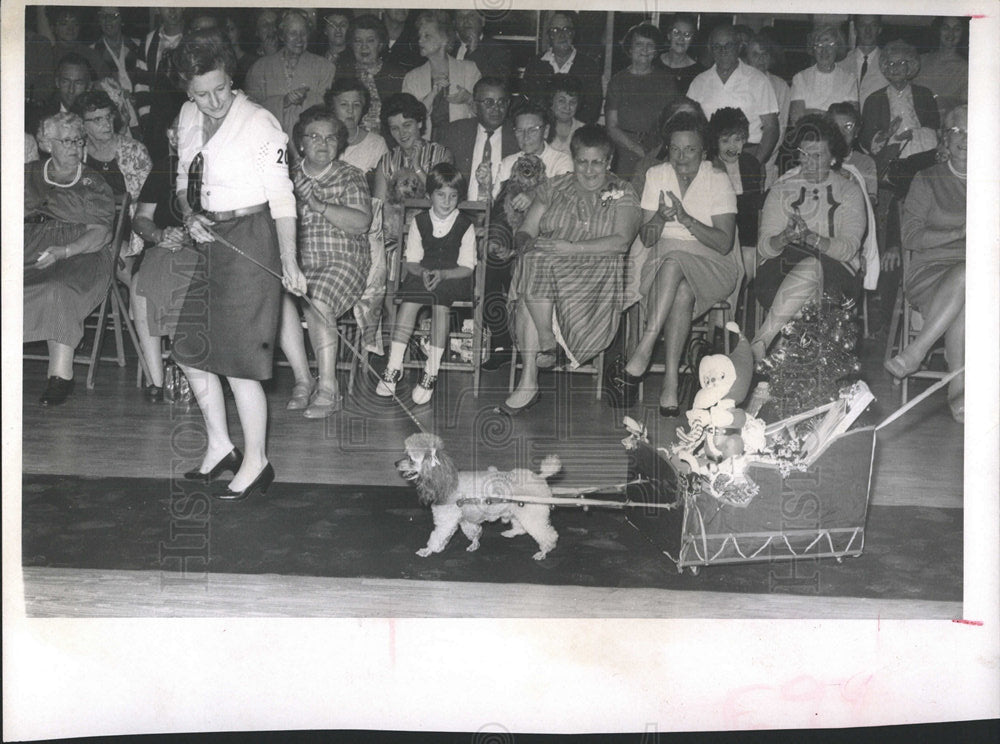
{"x": 568, "y": 289}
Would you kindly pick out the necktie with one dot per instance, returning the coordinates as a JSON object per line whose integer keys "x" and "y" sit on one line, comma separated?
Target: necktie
{"x": 195, "y": 174}
{"x": 864, "y": 68}
{"x": 488, "y": 149}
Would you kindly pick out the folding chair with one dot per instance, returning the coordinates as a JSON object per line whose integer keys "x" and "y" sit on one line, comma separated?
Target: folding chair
{"x": 478, "y": 211}
{"x": 113, "y": 307}
{"x": 905, "y": 325}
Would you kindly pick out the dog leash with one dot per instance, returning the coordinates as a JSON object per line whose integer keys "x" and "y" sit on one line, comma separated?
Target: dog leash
{"x": 333, "y": 325}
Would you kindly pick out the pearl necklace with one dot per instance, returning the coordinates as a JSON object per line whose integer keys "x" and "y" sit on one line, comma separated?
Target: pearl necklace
{"x": 952, "y": 169}
{"x": 318, "y": 175}
{"x": 50, "y": 182}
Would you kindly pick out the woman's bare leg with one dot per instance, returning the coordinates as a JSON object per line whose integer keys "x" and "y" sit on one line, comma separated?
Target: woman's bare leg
{"x": 207, "y": 391}
{"x": 943, "y": 312}
{"x": 540, "y": 312}
{"x": 291, "y": 340}
{"x": 668, "y": 277}
{"x": 677, "y": 330}
{"x": 527, "y": 346}
{"x": 324, "y": 341}
{"x": 251, "y": 404}
{"x": 803, "y": 284}
{"x": 60, "y": 360}
{"x": 151, "y": 349}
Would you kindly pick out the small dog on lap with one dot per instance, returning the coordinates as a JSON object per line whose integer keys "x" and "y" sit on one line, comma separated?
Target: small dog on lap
{"x": 486, "y": 496}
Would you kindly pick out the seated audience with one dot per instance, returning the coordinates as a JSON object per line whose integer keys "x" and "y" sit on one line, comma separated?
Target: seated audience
{"x": 728, "y": 131}
{"x": 405, "y": 118}
{"x": 817, "y": 87}
{"x": 564, "y": 58}
{"x": 933, "y": 227}
{"x": 689, "y": 214}
{"x": 568, "y": 287}
{"x": 382, "y": 78}
{"x": 660, "y": 153}
{"x": 443, "y": 84}
{"x": 68, "y": 216}
{"x": 810, "y": 230}
{"x": 635, "y": 98}
{"x": 349, "y": 100}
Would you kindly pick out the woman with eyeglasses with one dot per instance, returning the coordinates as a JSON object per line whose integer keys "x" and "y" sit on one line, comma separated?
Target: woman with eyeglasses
{"x": 676, "y": 59}
{"x": 825, "y": 83}
{"x": 443, "y": 84}
{"x": 232, "y": 186}
{"x": 933, "y": 227}
{"x": 336, "y": 24}
{"x": 68, "y": 214}
{"x": 335, "y": 211}
{"x": 636, "y": 95}
{"x": 811, "y": 229}
{"x": 563, "y": 102}
{"x": 382, "y": 78}
{"x": 122, "y": 161}
{"x": 567, "y": 294}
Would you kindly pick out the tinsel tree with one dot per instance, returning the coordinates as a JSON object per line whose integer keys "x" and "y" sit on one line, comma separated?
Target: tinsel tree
{"x": 813, "y": 359}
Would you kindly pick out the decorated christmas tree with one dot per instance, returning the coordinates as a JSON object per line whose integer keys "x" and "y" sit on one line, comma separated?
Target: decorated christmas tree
{"x": 813, "y": 359}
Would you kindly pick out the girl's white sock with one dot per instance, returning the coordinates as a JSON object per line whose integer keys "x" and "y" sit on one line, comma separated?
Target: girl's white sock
{"x": 433, "y": 365}
{"x": 396, "y": 351}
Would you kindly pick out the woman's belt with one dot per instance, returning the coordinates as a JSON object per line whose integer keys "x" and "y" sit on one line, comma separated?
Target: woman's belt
{"x": 234, "y": 213}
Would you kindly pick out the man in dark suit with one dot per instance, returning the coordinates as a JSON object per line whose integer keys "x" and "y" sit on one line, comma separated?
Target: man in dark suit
{"x": 492, "y": 57}
{"x": 73, "y": 76}
{"x": 563, "y": 57}
{"x": 157, "y": 97}
{"x": 477, "y": 146}
{"x": 118, "y": 52}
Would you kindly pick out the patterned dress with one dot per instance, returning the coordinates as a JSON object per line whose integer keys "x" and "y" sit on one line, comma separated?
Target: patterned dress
{"x": 588, "y": 291}
{"x": 335, "y": 263}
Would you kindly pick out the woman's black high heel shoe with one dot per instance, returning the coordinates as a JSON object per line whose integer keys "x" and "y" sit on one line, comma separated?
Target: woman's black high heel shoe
{"x": 230, "y": 462}
{"x": 622, "y": 389}
{"x": 259, "y": 486}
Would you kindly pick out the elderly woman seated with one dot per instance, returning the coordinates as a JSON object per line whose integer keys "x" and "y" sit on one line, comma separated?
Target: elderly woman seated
{"x": 933, "y": 227}
{"x": 810, "y": 231}
{"x": 570, "y": 276}
{"x": 68, "y": 214}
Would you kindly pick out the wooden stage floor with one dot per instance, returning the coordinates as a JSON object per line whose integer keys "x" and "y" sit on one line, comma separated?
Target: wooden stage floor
{"x": 113, "y": 431}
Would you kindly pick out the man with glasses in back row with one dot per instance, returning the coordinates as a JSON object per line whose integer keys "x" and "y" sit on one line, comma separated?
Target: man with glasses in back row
{"x": 730, "y": 82}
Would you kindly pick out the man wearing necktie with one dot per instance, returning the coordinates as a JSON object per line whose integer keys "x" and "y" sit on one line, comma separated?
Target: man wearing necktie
{"x": 863, "y": 60}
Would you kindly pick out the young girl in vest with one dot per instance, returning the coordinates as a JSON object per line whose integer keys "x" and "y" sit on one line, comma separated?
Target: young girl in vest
{"x": 439, "y": 259}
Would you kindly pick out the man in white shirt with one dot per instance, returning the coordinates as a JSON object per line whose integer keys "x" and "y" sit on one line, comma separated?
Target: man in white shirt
{"x": 730, "y": 82}
{"x": 863, "y": 61}
{"x": 119, "y": 52}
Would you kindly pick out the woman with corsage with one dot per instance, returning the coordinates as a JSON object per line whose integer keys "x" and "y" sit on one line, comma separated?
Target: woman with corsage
{"x": 68, "y": 213}
{"x": 232, "y": 184}
{"x": 689, "y": 213}
{"x": 568, "y": 290}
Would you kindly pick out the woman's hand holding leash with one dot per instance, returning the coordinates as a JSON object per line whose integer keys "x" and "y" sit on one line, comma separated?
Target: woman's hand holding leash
{"x": 196, "y": 225}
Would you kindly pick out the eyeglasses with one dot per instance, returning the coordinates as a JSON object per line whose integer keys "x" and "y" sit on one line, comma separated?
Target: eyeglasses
{"x": 849, "y": 126}
{"x": 682, "y": 34}
{"x": 956, "y": 130}
{"x": 72, "y": 141}
{"x": 599, "y": 163}
{"x": 896, "y": 64}
{"x": 825, "y": 45}
{"x": 527, "y": 130}
{"x": 109, "y": 14}
{"x": 560, "y": 30}
{"x": 314, "y": 138}
{"x": 337, "y": 24}
{"x": 728, "y": 46}
{"x": 492, "y": 102}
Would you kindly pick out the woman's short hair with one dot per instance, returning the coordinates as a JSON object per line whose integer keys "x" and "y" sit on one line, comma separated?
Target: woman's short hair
{"x": 314, "y": 114}
{"x": 346, "y": 85}
{"x": 684, "y": 121}
{"x": 845, "y": 108}
{"x": 201, "y": 52}
{"x": 592, "y": 135}
{"x": 816, "y": 128}
{"x": 292, "y": 13}
{"x": 645, "y": 31}
{"x": 767, "y": 41}
{"x": 96, "y": 100}
{"x": 48, "y": 127}
{"x": 676, "y": 106}
{"x": 727, "y": 121}
{"x": 444, "y": 21}
{"x": 827, "y": 30}
{"x": 370, "y": 22}
{"x": 405, "y": 105}
{"x": 952, "y": 116}
{"x": 564, "y": 83}
{"x": 445, "y": 175}
{"x": 530, "y": 108}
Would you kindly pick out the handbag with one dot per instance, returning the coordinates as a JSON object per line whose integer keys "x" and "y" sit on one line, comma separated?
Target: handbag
{"x": 176, "y": 388}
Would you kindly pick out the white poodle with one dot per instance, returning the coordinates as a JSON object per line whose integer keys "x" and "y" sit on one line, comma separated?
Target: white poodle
{"x": 467, "y": 499}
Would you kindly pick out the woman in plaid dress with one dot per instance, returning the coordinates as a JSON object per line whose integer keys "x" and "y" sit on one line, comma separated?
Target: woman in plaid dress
{"x": 568, "y": 290}
{"x": 334, "y": 214}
